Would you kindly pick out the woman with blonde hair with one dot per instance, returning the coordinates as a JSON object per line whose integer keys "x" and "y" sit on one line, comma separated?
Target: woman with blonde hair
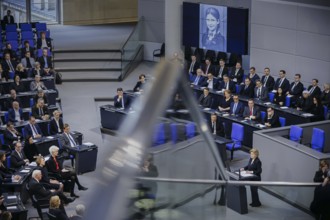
{"x": 55, "y": 210}
{"x": 20, "y": 70}
{"x": 254, "y": 168}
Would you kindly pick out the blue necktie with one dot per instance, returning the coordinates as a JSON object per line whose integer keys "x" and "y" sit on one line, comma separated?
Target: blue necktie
{"x": 46, "y": 64}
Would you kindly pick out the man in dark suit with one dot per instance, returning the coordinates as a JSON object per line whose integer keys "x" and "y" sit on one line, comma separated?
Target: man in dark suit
{"x": 248, "y": 89}
{"x": 18, "y": 158}
{"x": 282, "y": 82}
{"x": 253, "y": 75}
{"x": 208, "y": 67}
{"x": 227, "y": 84}
{"x": 222, "y": 69}
{"x": 40, "y": 192}
{"x": 314, "y": 90}
{"x": 216, "y": 126}
{"x": 296, "y": 88}
{"x": 193, "y": 65}
{"x": 8, "y": 65}
{"x": 251, "y": 111}
{"x": 13, "y": 98}
{"x": 56, "y": 124}
{"x": 43, "y": 42}
{"x": 8, "y": 49}
{"x": 121, "y": 100}
{"x": 27, "y": 48}
{"x": 236, "y": 107}
{"x": 267, "y": 80}
{"x": 45, "y": 60}
{"x": 15, "y": 114}
{"x": 197, "y": 79}
{"x": 305, "y": 102}
{"x": 32, "y": 129}
{"x": 237, "y": 73}
{"x": 205, "y": 100}
{"x": 67, "y": 138}
{"x": 272, "y": 120}
{"x": 8, "y": 18}
{"x": 211, "y": 82}
{"x": 260, "y": 92}
{"x": 40, "y": 111}
{"x": 11, "y": 134}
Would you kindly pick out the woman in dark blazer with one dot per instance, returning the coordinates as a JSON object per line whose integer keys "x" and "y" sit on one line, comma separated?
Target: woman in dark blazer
{"x": 224, "y": 105}
{"x": 6, "y": 173}
{"x": 317, "y": 110}
{"x": 253, "y": 167}
{"x": 279, "y": 98}
{"x": 55, "y": 210}
{"x": 321, "y": 174}
{"x": 140, "y": 84}
{"x": 17, "y": 85}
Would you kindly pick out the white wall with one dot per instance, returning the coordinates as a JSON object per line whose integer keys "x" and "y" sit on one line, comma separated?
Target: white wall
{"x": 291, "y": 36}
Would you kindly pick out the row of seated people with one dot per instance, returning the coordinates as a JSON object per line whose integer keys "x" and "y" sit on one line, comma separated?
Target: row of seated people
{"x": 207, "y": 72}
{"x": 305, "y": 103}
{"x": 5, "y": 106}
{"x": 27, "y": 67}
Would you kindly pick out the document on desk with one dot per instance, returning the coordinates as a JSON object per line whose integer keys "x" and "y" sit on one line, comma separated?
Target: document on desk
{"x": 307, "y": 114}
{"x": 11, "y": 197}
{"x": 24, "y": 171}
{"x": 267, "y": 103}
{"x": 11, "y": 207}
{"x": 33, "y": 164}
{"x": 225, "y": 115}
{"x": 88, "y": 144}
{"x": 50, "y": 137}
{"x": 207, "y": 109}
{"x": 244, "y": 174}
{"x": 284, "y": 107}
{"x": 261, "y": 125}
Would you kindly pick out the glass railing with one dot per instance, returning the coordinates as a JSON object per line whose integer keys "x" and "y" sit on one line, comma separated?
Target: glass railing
{"x": 132, "y": 50}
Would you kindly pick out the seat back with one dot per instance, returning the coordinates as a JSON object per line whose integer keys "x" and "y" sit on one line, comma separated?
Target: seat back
{"x": 318, "y": 139}
{"x": 271, "y": 96}
{"x": 174, "y": 132}
{"x": 190, "y": 130}
{"x": 237, "y": 132}
{"x": 222, "y": 55}
{"x": 159, "y": 134}
{"x": 282, "y": 121}
{"x": 263, "y": 115}
{"x": 296, "y": 133}
{"x": 41, "y": 27}
{"x": 2, "y": 139}
{"x": 287, "y": 101}
{"x": 325, "y": 110}
{"x": 238, "y": 88}
{"x": 11, "y": 28}
{"x": 11, "y": 36}
{"x": 27, "y": 35}
{"x": 14, "y": 44}
{"x": 25, "y": 26}
{"x": 162, "y": 50}
{"x": 8, "y": 164}
{"x": 210, "y": 54}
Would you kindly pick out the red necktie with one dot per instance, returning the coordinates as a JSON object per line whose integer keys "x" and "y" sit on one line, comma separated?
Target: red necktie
{"x": 251, "y": 111}
{"x": 57, "y": 166}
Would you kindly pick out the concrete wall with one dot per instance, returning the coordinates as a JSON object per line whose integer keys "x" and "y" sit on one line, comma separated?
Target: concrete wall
{"x": 99, "y": 11}
{"x": 291, "y": 36}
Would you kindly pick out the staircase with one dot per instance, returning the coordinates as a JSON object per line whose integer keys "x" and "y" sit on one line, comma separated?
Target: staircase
{"x": 92, "y": 65}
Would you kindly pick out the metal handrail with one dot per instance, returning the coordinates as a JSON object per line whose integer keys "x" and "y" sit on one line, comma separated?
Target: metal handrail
{"x": 230, "y": 182}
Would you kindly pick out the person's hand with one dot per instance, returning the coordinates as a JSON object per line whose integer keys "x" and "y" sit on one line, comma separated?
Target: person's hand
{"x": 299, "y": 109}
{"x": 52, "y": 190}
{"x": 65, "y": 170}
{"x": 247, "y": 118}
{"x": 38, "y": 136}
{"x": 267, "y": 124}
{"x": 325, "y": 181}
{"x": 16, "y": 177}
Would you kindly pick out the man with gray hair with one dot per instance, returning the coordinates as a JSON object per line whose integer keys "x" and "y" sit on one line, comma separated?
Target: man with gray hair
{"x": 40, "y": 192}
{"x": 80, "y": 210}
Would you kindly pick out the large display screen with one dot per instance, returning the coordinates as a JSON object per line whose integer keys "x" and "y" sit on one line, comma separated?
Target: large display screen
{"x": 217, "y": 28}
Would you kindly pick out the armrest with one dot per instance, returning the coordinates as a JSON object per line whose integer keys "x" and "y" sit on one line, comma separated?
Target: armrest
{"x": 158, "y": 50}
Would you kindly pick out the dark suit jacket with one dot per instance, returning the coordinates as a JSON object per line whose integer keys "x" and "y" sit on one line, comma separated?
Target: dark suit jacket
{"x": 325, "y": 99}
{"x": 51, "y": 165}
{"x": 65, "y": 142}
{"x": 35, "y": 72}
{"x": 206, "y": 102}
{"x": 54, "y": 127}
{"x": 218, "y": 128}
{"x": 48, "y": 41}
{"x": 28, "y": 130}
{"x": 255, "y": 112}
{"x": 278, "y": 99}
{"x": 18, "y": 87}
{"x": 23, "y": 51}
{"x": 305, "y": 104}
{"x": 9, "y": 103}
{"x": 41, "y": 60}
{"x": 6, "y": 67}
{"x": 118, "y": 104}
{"x": 13, "y": 54}
{"x": 297, "y": 90}
{"x": 35, "y": 112}
{"x": 38, "y": 190}
{"x": 9, "y": 137}
{"x": 238, "y": 76}
{"x": 254, "y": 78}
{"x": 285, "y": 85}
{"x": 196, "y": 66}
{"x": 263, "y": 94}
{"x": 200, "y": 81}
{"x": 210, "y": 70}
{"x": 255, "y": 167}
{"x": 11, "y": 114}
{"x": 239, "y": 109}
{"x": 232, "y": 86}
{"x": 16, "y": 161}
{"x": 248, "y": 92}
{"x": 11, "y": 19}
{"x": 274, "y": 121}
{"x": 139, "y": 85}
{"x": 59, "y": 214}
{"x": 225, "y": 71}
{"x": 215, "y": 83}
{"x": 316, "y": 92}
{"x": 269, "y": 84}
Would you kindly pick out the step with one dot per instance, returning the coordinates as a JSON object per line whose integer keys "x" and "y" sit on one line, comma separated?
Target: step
{"x": 93, "y": 55}
{"x": 75, "y": 69}
{"x": 78, "y": 76}
{"x": 56, "y": 51}
{"x": 87, "y": 60}
{"x": 88, "y": 65}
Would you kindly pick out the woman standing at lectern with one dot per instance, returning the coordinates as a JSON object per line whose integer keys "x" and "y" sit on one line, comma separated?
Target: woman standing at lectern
{"x": 254, "y": 168}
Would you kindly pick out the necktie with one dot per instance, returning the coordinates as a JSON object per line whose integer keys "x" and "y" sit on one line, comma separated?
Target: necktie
{"x": 41, "y": 113}
{"x": 122, "y": 102}
{"x": 312, "y": 90}
{"x": 207, "y": 69}
{"x": 72, "y": 142}
{"x": 10, "y": 66}
{"x": 220, "y": 71}
{"x": 226, "y": 85}
{"x": 281, "y": 81}
{"x": 210, "y": 84}
{"x": 235, "y": 107}
{"x": 258, "y": 93}
{"x": 251, "y": 111}
{"x": 20, "y": 155}
{"x": 196, "y": 80}
{"x": 35, "y": 130}
{"x": 214, "y": 128}
{"x": 236, "y": 71}
{"x": 46, "y": 64}
{"x": 28, "y": 63}
{"x": 294, "y": 85}
{"x": 191, "y": 67}
{"x": 266, "y": 78}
